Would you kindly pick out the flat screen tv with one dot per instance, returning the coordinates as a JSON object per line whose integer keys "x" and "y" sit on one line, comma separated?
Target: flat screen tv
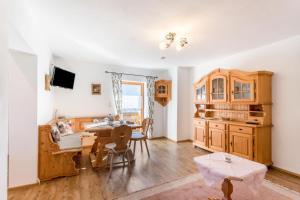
{"x": 62, "y": 78}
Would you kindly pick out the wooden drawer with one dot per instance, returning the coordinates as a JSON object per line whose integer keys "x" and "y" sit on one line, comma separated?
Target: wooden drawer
{"x": 220, "y": 126}
{"x": 198, "y": 122}
{"x": 241, "y": 129}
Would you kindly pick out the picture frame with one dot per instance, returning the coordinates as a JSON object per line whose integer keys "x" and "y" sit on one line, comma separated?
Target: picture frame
{"x": 96, "y": 89}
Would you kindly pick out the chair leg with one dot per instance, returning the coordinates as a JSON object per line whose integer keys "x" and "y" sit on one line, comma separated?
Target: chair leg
{"x": 123, "y": 160}
{"x": 147, "y": 148}
{"x": 134, "y": 144}
{"x": 130, "y": 143}
{"x": 108, "y": 159}
{"x": 141, "y": 145}
{"x": 111, "y": 164}
{"x": 128, "y": 159}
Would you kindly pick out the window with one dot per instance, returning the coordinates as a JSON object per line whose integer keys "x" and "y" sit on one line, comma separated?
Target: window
{"x": 133, "y": 101}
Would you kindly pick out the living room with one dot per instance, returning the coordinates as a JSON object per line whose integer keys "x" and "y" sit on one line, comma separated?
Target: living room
{"x": 189, "y": 81}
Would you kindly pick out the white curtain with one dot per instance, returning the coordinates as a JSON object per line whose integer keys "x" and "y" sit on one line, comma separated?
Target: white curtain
{"x": 117, "y": 91}
{"x": 150, "y": 93}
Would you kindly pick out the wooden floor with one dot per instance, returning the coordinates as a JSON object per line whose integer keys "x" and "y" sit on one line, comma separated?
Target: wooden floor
{"x": 169, "y": 161}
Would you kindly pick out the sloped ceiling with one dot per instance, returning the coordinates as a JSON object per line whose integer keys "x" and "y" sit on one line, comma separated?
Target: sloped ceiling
{"x": 127, "y": 32}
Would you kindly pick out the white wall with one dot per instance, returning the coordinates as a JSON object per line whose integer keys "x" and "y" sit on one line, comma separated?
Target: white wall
{"x": 171, "y": 129}
{"x": 79, "y": 102}
{"x": 185, "y": 88}
{"x": 22, "y": 119}
{"x": 179, "y": 121}
{"x": 282, "y": 58}
{"x": 29, "y": 103}
{"x": 25, "y": 25}
{"x": 4, "y": 63}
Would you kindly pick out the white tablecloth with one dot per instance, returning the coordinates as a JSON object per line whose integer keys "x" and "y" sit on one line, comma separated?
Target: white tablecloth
{"x": 214, "y": 169}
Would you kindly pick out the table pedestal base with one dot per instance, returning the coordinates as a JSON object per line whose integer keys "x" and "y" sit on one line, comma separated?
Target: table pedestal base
{"x": 227, "y": 188}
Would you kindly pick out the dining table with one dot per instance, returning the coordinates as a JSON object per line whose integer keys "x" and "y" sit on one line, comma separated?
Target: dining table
{"x": 102, "y": 131}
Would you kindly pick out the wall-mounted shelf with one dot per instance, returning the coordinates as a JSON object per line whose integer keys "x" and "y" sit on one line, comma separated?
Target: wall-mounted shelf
{"x": 163, "y": 91}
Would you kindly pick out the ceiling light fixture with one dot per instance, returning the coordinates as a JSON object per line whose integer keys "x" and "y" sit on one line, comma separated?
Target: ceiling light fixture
{"x": 182, "y": 43}
{"x": 169, "y": 39}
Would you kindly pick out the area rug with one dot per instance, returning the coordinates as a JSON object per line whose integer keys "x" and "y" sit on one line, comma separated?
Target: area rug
{"x": 193, "y": 188}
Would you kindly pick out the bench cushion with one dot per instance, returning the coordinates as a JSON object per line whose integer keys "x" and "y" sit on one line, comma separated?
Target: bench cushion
{"x": 71, "y": 141}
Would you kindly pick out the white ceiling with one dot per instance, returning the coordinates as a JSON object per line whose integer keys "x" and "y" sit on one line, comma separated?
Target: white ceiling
{"x": 127, "y": 32}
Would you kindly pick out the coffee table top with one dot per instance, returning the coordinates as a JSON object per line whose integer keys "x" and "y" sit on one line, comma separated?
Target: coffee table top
{"x": 215, "y": 169}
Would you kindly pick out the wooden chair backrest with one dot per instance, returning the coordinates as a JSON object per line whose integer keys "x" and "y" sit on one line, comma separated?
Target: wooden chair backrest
{"x": 147, "y": 122}
{"x": 121, "y": 135}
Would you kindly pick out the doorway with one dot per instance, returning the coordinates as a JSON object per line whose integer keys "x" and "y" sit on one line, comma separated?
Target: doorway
{"x": 133, "y": 101}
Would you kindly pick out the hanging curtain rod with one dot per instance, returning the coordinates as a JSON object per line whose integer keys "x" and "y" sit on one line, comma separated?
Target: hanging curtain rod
{"x": 108, "y": 72}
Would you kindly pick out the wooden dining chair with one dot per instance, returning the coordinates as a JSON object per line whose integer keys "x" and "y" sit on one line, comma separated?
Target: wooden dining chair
{"x": 141, "y": 136}
{"x": 120, "y": 137}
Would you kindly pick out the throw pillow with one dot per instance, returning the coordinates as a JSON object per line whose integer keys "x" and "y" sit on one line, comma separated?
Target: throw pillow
{"x": 61, "y": 127}
{"x": 55, "y": 133}
{"x": 65, "y": 127}
{"x": 68, "y": 127}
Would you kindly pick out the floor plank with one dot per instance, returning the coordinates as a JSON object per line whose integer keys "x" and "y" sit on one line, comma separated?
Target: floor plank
{"x": 169, "y": 161}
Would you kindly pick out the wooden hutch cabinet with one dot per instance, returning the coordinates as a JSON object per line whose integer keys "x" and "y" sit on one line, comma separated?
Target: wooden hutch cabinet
{"x": 236, "y": 116}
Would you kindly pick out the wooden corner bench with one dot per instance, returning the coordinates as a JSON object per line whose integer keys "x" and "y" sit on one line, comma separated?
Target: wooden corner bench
{"x": 54, "y": 161}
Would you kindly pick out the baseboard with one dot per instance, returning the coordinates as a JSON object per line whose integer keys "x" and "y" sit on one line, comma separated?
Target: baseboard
{"x": 22, "y": 186}
{"x": 179, "y": 141}
{"x": 286, "y": 171}
{"x": 176, "y": 141}
{"x": 187, "y": 140}
{"x": 157, "y": 138}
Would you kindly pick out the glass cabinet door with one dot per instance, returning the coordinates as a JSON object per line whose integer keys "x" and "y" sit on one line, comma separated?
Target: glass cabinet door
{"x": 218, "y": 89}
{"x": 246, "y": 91}
{"x": 237, "y": 90}
{"x": 161, "y": 89}
{"x": 203, "y": 93}
{"x": 242, "y": 90}
{"x": 200, "y": 93}
{"x": 221, "y": 88}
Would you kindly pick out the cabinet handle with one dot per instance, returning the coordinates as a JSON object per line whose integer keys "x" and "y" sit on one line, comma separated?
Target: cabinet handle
{"x": 240, "y": 129}
{"x": 230, "y": 143}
